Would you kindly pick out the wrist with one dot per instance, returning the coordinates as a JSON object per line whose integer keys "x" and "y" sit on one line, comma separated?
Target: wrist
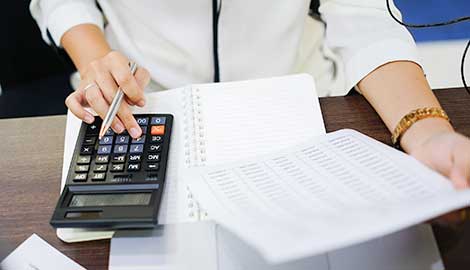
{"x": 422, "y": 130}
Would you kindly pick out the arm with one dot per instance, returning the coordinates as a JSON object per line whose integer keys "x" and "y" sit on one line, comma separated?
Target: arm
{"x": 77, "y": 25}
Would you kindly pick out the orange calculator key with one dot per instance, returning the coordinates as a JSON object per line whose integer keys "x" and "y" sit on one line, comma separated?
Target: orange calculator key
{"x": 157, "y": 130}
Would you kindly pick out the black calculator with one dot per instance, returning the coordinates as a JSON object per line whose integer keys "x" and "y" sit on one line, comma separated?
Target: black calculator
{"x": 116, "y": 181}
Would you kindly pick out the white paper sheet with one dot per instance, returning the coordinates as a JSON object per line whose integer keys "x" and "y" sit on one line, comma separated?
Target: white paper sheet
{"x": 331, "y": 192}
{"x": 36, "y": 254}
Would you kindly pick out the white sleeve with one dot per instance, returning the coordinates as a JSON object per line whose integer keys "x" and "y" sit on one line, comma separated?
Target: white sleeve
{"x": 363, "y": 33}
{"x": 58, "y": 16}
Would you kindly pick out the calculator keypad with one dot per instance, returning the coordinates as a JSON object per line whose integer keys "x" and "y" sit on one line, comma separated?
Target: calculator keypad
{"x": 119, "y": 157}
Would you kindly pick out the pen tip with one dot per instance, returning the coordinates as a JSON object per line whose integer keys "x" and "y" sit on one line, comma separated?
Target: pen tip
{"x": 102, "y": 131}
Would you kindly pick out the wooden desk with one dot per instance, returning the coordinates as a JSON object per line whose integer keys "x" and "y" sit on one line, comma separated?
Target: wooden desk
{"x": 31, "y": 152}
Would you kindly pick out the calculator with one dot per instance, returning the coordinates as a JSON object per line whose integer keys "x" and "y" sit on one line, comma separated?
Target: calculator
{"x": 116, "y": 181}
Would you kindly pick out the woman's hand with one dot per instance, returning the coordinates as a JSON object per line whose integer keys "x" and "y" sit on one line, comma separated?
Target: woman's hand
{"x": 101, "y": 78}
{"x": 448, "y": 153}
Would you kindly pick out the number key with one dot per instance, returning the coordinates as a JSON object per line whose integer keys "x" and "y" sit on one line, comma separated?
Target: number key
{"x": 142, "y": 121}
{"x": 122, "y": 139}
{"x": 106, "y": 140}
{"x": 139, "y": 140}
{"x": 137, "y": 148}
{"x": 120, "y": 149}
{"x": 158, "y": 121}
{"x": 104, "y": 149}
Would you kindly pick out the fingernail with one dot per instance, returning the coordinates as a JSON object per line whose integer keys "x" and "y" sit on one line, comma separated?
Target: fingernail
{"x": 119, "y": 127}
{"x": 89, "y": 119}
{"x": 141, "y": 103}
{"x": 135, "y": 133}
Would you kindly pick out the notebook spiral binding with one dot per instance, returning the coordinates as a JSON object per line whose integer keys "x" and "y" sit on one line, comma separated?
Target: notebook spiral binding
{"x": 201, "y": 143}
{"x": 188, "y": 119}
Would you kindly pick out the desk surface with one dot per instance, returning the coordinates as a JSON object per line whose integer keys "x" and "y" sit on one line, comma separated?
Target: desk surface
{"x": 31, "y": 152}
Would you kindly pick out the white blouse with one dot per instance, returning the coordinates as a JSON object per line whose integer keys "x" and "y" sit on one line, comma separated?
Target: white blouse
{"x": 174, "y": 39}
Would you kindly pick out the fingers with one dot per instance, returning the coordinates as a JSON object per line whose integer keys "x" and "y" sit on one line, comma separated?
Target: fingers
{"x": 126, "y": 116}
{"x": 75, "y": 102}
{"x": 460, "y": 169}
{"x": 119, "y": 69}
{"x": 98, "y": 103}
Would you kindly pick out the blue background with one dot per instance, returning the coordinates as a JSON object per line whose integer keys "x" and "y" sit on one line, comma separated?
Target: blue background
{"x": 430, "y": 11}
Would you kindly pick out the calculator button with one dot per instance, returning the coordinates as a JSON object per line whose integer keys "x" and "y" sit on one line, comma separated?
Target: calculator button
{"x": 158, "y": 121}
{"x": 136, "y": 148}
{"x": 100, "y": 168}
{"x": 153, "y": 148}
{"x": 83, "y": 159}
{"x": 104, "y": 149}
{"x": 139, "y": 140}
{"x": 109, "y": 132}
{"x": 119, "y": 158}
{"x": 157, "y": 130}
{"x": 144, "y": 129}
{"x": 82, "y": 168}
{"x": 120, "y": 149}
{"x": 99, "y": 176}
{"x": 122, "y": 139}
{"x": 106, "y": 140}
{"x": 102, "y": 159}
{"x": 89, "y": 141}
{"x": 79, "y": 177}
{"x": 152, "y": 167}
{"x": 92, "y": 129}
{"x": 153, "y": 157}
{"x": 135, "y": 158}
{"x": 142, "y": 121}
{"x": 86, "y": 150}
{"x": 156, "y": 138}
{"x": 132, "y": 167}
{"x": 117, "y": 167}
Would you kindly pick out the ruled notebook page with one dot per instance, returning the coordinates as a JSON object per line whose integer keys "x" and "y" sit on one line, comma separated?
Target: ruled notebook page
{"x": 329, "y": 192}
{"x": 242, "y": 119}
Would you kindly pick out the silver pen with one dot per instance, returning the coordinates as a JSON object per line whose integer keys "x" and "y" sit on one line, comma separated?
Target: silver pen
{"x": 114, "y": 107}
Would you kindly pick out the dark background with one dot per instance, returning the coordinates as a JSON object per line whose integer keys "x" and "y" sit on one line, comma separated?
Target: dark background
{"x": 35, "y": 80}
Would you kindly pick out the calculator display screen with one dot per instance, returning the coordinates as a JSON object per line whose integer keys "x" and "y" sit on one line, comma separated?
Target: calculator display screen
{"x": 85, "y": 200}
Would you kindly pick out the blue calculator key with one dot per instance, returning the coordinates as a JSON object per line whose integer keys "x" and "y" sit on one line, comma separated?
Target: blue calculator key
{"x": 122, "y": 139}
{"x": 120, "y": 149}
{"x": 137, "y": 148}
{"x": 104, "y": 149}
{"x": 144, "y": 129}
{"x": 139, "y": 140}
{"x": 106, "y": 140}
{"x": 142, "y": 121}
{"x": 158, "y": 120}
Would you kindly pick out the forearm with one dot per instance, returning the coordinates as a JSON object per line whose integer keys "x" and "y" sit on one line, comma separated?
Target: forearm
{"x": 85, "y": 43}
{"x": 394, "y": 90}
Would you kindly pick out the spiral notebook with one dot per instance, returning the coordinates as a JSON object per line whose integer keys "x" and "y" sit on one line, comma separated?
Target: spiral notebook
{"x": 218, "y": 123}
